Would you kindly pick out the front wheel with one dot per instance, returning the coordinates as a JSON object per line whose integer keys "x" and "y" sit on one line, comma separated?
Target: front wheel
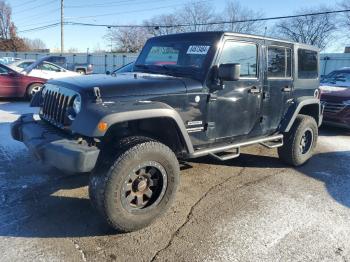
{"x": 138, "y": 188}
{"x": 300, "y": 141}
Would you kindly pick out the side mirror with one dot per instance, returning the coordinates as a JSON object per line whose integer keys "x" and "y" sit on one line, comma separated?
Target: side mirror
{"x": 229, "y": 72}
{"x": 108, "y": 72}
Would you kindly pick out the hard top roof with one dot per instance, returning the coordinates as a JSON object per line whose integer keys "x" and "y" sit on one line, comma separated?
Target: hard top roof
{"x": 219, "y": 34}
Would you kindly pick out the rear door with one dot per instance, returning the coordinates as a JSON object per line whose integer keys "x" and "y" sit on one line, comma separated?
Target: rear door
{"x": 278, "y": 85}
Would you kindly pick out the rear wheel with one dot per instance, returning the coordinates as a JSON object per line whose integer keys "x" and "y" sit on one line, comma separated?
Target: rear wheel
{"x": 139, "y": 187}
{"x": 33, "y": 89}
{"x": 300, "y": 141}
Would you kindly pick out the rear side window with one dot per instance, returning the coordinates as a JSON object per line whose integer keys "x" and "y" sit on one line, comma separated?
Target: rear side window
{"x": 244, "y": 54}
{"x": 307, "y": 64}
{"x": 279, "y": 62}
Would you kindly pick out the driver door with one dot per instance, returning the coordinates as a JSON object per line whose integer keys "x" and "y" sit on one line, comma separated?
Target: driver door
{"x": 235, "y": 110}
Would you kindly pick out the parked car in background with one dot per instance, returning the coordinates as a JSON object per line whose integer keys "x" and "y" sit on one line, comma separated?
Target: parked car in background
{"x": 20, "y": 64}
{"x": 8, "y": 60}
{"x": 81, "y": 68}
{"x": 335, "y": 95}
{"x": 14, "y": 84}
{"x": 43, "y": 69}
{"x": 123, "y": 69}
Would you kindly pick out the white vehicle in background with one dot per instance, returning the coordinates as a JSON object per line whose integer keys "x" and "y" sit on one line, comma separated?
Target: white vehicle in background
{"x": 21, "y": 64}
{"x": 8, "y": 60}
{"x": 47, "y": 70}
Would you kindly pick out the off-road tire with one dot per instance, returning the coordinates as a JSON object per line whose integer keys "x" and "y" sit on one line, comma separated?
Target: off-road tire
{"x": 290, "y": 152}
{"x": 106, "y": 183}
{"x": 31, "y": 88}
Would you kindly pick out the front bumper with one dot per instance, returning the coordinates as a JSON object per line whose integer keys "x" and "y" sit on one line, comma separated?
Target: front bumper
{"x": 53, "y": 147}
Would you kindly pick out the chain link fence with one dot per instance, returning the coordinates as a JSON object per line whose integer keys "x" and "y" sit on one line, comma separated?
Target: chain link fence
{"x": 102, "y": 62}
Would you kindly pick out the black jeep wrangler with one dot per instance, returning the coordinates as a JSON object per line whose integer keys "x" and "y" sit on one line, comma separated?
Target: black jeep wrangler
{"x": 190, "y": 95}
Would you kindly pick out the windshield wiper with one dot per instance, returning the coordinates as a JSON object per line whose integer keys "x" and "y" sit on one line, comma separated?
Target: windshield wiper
{"x": 180, "y": 70}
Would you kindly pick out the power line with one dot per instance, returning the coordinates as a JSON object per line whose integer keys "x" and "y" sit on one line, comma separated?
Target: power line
{"x": 107, "y": 4}
{"x": 117, "y": 4}
{"x": 213, "y": 23}
{"x": 25, "y": 3}
{"x": 40, "y": 28}
{"x": 186, "y": 25}
{"x": 38, "y": 6}
{"x": 37, "y": 15}
{"x": 129, "y": 12}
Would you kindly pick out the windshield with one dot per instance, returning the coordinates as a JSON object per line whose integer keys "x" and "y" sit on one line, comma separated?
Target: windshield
{"x": 337, "y": 78}
{"x": 177, "y": 58}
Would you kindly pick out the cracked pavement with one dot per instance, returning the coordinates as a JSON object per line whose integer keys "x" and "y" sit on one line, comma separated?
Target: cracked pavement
{"x": 246, "y": 209}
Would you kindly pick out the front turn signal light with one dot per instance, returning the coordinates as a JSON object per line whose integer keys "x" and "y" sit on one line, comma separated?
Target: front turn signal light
{"x": 102, "y": 126}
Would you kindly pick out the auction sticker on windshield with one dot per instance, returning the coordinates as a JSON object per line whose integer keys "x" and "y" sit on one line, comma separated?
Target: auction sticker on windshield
{"x": 198, "y": 49}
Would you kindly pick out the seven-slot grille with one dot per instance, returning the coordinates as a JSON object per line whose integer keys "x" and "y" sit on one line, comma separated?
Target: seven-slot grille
{"x": 55, "y": 107}
{"x": 334, "y": 107}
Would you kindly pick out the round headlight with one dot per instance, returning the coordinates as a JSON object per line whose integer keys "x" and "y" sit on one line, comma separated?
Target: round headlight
{"x": 77, "y": 104}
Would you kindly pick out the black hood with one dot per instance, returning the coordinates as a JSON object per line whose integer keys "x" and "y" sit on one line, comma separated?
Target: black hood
{"x": 128, "y": 84}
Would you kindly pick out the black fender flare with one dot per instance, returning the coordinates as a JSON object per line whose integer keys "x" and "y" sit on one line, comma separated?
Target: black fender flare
{"x": 115, "y": 113}
{"x": 295, "y": 109}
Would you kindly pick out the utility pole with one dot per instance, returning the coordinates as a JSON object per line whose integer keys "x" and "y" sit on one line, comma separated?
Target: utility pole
{"x": 62, "y": 23}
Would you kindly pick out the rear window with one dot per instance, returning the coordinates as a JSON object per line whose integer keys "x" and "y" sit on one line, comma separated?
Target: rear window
{"x": 279, "y": 62}
{"x": 307, "y": 64}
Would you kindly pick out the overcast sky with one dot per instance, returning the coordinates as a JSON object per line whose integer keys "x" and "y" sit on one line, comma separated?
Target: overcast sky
{"x": 33, "y": 13}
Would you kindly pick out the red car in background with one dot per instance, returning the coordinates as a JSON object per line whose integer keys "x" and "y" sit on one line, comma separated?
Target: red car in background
{"x": 335, "y": 95}
{"x": 14, "y": 84}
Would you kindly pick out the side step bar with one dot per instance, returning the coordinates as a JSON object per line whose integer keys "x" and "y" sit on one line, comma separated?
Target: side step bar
{"x": 221, "y": 153}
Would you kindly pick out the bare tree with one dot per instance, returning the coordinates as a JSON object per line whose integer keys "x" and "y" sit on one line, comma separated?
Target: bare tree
{"x": 34, "y": 44}
{"x": 234, "y": 11}
{"x": 314, "y": 30}
{"x": 345, "y": 17}
{"x": 72, "y": 50}
{"x": 7, "y": 27}
{"x": 163, "y": 25}
{"x": 9, "y": 41}
{"x": 199, "y": 16}
{"x": 129, "y": 39}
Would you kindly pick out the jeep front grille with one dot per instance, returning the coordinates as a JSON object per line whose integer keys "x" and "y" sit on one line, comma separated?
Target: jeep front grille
{"x": 333, "y": 107}
{"x": 55, "y": 108}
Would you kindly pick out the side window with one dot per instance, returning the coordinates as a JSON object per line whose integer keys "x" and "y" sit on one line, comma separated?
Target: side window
{"x": 3, "y": 71}
{"x": 49, "y": 67}
{"x": 24, "y": 65}
{"x": 307, "y": 64}
{"x": 279, "y": 62}
{"x": 244, "y": 54}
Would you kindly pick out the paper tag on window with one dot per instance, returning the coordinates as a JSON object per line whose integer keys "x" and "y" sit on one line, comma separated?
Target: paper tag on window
{"x": 198, "y": 49}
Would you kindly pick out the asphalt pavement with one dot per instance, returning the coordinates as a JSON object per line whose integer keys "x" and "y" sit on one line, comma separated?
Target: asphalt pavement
{"x": 253, "y": 208}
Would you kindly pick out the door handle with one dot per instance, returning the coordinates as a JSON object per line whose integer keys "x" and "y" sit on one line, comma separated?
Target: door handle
{"x": 254, "y": 90}
{"x": 286, "y": 89}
